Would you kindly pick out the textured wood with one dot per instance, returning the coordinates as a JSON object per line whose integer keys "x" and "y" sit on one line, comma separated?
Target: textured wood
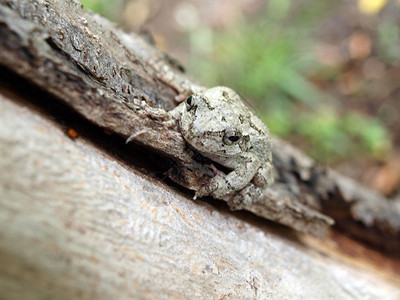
{"x": 111, "y": 78}
{"x": 78, "y": 224}
{"x": 106, "y": 75}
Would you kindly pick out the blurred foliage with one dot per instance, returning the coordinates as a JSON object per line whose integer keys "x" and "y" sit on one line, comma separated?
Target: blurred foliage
{"x": 111, "y": 9}
{"x": 269, "y": 60}
{"x": 389, "y": 40}
{"x": 371, "y": 6}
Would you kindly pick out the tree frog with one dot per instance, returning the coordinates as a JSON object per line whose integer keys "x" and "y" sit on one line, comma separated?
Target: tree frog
{"x": 217, "y": 124}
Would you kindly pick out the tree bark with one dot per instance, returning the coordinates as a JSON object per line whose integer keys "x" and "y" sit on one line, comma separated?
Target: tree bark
{"x": 83, "y": 215}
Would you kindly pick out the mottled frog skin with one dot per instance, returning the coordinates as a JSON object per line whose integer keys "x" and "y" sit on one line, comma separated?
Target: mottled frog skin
{"x": 222, "y": 128}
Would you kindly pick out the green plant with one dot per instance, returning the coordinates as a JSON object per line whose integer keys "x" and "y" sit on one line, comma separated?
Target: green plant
{"x": 110, "y": 9}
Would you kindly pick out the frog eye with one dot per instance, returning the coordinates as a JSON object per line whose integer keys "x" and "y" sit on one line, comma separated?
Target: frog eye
{"x": 189, "y": 103}
{"x": 232, "y": 137}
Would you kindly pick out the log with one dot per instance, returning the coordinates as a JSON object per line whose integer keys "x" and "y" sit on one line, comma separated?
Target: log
{"x": 111, "y": 79}
{"x": 78, "y": 223}
{"x": 85, "y": 215}
{"x": 106, "y": 75}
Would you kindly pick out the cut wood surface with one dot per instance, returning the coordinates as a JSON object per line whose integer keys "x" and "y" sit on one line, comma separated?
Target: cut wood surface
{"x": 86, "y": 216}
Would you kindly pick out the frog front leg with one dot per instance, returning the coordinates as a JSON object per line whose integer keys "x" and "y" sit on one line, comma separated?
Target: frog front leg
{"x": 222, "y": 185}
{"x": 254, "y": 191}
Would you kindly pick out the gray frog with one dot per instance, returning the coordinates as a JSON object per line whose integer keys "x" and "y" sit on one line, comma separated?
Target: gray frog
{"x": 221, "y": 127}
